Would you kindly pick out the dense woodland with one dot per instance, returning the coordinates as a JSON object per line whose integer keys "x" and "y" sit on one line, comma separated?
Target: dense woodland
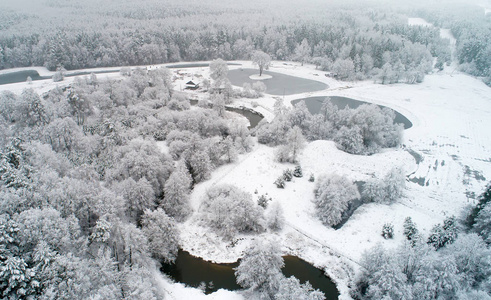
{"x": 86, "y": 198}
{"x": 355, "y": 43}
{"x": 472, "y": 30}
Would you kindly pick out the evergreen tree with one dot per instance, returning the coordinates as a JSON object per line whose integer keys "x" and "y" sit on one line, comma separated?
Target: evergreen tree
{"x": 410, "y": 230}
{"x": 298, "y": 171}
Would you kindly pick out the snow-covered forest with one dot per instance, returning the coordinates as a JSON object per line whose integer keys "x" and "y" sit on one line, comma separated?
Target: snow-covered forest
{"x": 107, "y": 174}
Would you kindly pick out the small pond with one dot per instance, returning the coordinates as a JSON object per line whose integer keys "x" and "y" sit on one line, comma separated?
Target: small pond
{"x": 279, "y": 84}
{"x": 253, "y": 117}
{"x": 194, "y": 271}
{"x": 20, "y": 76}
{"x": 314, "y": 105}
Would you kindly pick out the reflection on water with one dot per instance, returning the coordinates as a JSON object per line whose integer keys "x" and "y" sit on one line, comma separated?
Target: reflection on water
{"x": 194, "y": 271}
{"x": 314, "y": 105}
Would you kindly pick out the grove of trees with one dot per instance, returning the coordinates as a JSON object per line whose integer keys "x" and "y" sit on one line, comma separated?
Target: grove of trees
{"x": 355, "y": 42}
{"x": 363, "y": 130}
{"x": 87, "y": 199}
{"x": 452, "y": 262}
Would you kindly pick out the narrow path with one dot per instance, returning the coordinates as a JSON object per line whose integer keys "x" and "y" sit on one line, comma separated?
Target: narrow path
{"x": 322, "y": 243}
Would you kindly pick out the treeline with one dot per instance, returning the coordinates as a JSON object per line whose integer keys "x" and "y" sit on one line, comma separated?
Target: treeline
{"x": 87, "y": 198}
{"x": 355, "y": 43}
{"x": 472, "y": 30}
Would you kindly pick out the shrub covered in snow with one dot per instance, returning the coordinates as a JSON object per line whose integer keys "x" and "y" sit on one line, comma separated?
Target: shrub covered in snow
{"x": 298, "y": 171}
{"x": 280, "y": 182}
{"x": 388, "y": 231}
{"x": 287, "y": 175}
{"x": 263, "y": 201}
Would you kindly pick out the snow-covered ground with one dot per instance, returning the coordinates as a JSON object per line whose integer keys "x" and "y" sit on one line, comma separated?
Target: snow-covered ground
{"x": 451, "y": 115}
{"x": 450, "y": 112}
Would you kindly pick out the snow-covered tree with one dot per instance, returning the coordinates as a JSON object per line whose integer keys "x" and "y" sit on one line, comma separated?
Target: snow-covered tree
{"x": 472, "y": 258}
{"x": 287, "y": 175}
{"x": 162, "y": 234}
{"x": 261, "y": 59}
{"x": 292, "y": 289}
{"x": 176, "y": 193}
{"x": 443, "y": 235}
{"x": 386, "y": 190}
{"x": 259, "y": 270}
{"x": 482, "y": 223}
{"x": 218, "y": 69}
{"x": 350, "y": 139}
{"x": 410, "y": 230}
{"x": 31, "y": 110}
{"x": 274, "y": 217}
{"x": 138, "y": 196}
{"x": 333, "y": 194}
{"x": 302, "y": 52}
{"x": 230, "y": 211}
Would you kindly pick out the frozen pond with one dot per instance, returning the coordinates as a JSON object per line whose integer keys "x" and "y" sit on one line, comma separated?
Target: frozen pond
{"x": 279, "y": 84}
{"x": 314, "y": 105}
{"x": 194, "y": 271}
{"x": 20, "y": 76}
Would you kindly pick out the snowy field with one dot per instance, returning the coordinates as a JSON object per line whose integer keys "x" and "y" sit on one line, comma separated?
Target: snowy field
{"x": 451, "y": 115}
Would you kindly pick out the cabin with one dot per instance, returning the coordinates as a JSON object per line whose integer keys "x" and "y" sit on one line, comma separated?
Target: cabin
{"x": 191, "y": 85}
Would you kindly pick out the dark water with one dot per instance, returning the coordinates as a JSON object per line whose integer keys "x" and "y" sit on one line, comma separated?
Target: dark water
{"x": 314, "y": 105}
{"x": 20, "y": 76}
{"x": 253, "y": 117}
{"x": 279, "y": 84}
{"x": 194, "y": 271}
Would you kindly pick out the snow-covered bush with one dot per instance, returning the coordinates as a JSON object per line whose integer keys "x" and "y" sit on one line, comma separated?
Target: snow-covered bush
{"x": 230, "y": 211}
{"x": 298, "y": 172}
{"x": 263, "y": 201}
{"x": 287, "y": 175}
{"x": 333, "y": 193}
{"x": 311, "y": 177}
{"x": 280, "y": 182}
{"x": 410, "y": 230}
{"x": 388, "y": 231}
